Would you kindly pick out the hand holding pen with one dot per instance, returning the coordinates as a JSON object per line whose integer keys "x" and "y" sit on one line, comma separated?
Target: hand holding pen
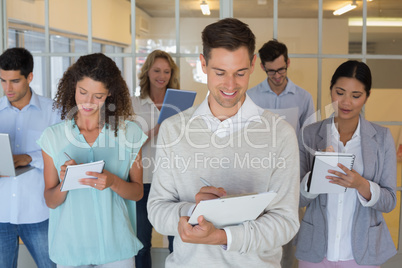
{"x": 70, "y": 161}
{"x": 63, "y": 168}
{"x": 209, "y": 192}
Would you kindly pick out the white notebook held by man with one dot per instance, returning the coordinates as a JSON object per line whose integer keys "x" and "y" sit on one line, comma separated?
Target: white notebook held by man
{"x": 234, "y": 210}
{"x": 323, "y": 161}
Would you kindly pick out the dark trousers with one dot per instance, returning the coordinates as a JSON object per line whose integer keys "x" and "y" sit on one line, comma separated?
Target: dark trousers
{"x": 144, "y": 232}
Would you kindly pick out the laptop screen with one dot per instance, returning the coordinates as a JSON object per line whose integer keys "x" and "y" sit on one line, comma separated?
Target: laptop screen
{"x": 6, "y": 159}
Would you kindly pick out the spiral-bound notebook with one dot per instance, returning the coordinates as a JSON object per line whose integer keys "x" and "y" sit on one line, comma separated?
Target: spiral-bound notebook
{"x": 76, "y": 172}
{"x": 323, "y": 161}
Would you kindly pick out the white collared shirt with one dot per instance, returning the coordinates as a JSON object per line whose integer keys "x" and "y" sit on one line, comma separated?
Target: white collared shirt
{"x": 248, "y": 112}
{"x": 146, "y": 116}
{"x": 341, "y": 207}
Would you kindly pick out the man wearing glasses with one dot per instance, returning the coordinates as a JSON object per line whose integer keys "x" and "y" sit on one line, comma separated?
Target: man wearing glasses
{"x": 278, "y": 93}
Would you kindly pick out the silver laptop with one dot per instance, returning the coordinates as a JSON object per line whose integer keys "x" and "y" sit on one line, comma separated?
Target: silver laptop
{"x": 6, "y": 159}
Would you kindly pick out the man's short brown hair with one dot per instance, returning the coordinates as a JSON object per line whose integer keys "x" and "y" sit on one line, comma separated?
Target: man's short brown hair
{"x": 230, "y": 34}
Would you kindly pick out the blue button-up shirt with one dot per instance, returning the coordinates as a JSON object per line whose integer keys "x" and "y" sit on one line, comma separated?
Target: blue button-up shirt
{"x": 21, "y": 197}
{"x": 293, "y": 100}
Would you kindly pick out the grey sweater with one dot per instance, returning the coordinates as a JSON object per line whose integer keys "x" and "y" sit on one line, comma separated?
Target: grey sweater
{"x": 261, "y": 157}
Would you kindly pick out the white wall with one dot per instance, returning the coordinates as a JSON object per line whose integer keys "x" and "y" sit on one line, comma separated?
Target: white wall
{"x": 110, "y": 18}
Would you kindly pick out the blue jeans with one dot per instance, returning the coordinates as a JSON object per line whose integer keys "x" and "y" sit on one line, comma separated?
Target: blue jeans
{"x": 34, "y": 237}
{"x": 144, "y": 232}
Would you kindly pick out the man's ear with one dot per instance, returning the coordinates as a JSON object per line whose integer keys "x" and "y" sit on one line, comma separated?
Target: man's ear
{"x": 30, "y": 77}
{"x": 253, "y": 63}
{"x": 203, "y": 63}
{"x": 288, "y": 63}
{"x": 262, "y": 67}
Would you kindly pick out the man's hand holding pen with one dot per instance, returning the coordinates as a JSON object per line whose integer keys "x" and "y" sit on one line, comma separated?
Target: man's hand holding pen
{"x": 209, "y": 192}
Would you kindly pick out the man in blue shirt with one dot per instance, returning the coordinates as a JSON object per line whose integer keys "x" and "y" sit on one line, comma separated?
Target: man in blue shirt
{"x": 278, "y": 93}
{"x": 23, "y": 115}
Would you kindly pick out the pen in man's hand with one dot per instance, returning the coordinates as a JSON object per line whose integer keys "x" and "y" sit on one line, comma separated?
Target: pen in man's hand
{"x": 205, "y": 182}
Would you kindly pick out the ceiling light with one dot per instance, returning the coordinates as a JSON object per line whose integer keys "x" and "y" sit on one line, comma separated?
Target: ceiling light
{"x": 345, "y": 9}
{"x": 205, "y": 8}
{"x": 376, "y": 22}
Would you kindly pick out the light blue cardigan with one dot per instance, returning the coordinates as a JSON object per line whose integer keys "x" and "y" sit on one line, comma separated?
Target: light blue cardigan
{"x": 371, "y": 241}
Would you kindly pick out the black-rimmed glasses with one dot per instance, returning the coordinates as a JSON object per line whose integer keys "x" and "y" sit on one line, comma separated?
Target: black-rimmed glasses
{"x": 279, "y": 71}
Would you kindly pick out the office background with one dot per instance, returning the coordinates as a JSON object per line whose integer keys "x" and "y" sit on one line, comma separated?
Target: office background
{"x": 57, "y": 32}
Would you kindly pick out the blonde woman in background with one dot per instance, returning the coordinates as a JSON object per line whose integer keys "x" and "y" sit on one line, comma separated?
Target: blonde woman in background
{"x": 158, "y": 73}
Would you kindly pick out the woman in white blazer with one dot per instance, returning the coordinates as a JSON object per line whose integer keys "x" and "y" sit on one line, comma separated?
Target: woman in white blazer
{"x": 158, "y": 73}
{"x": 348, "y": 229}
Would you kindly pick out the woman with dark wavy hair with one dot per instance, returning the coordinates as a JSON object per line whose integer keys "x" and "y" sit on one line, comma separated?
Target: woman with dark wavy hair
{"x": 94, "y": 225}
{"x": 102, "y": 69}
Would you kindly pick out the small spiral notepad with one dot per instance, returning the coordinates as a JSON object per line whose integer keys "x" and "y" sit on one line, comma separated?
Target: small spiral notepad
{"x": 76, "y": 172}
{"x": 323, "y": 161}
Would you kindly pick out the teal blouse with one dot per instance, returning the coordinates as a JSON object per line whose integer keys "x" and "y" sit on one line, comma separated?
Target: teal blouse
{"x": 92, "y": 226}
